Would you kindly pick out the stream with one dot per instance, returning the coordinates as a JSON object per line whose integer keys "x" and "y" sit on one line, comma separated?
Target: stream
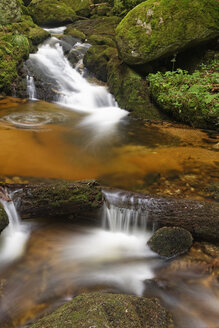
{"x": 83, "y": 134}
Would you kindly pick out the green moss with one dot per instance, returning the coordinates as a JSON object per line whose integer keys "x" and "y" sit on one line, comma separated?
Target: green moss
{"x": 108, "y": 310}
{"x": 75, "y": 33}
{"x": 156, "y": 29}
{"x": 190, "y": 98}
{"x": 131, "y": 91}
{"x": 171, "y": 241}
{"x": 47, "y": 13}
{"x": 104, "y": 26}
{"x": 62, "y": 199}
{"x": 97, "y": 58}
{"x": 13, "y": 49}
{"x": 10, "y": 11}
{"x": 3, "y": 219}
{"x": 101, "y": 40}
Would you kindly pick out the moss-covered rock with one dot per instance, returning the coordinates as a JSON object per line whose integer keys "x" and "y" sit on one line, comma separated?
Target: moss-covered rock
{"x": 55, "y": 13}
{"x": 101, "y": 40}
{"x": 171, "y": 241}
{"x": 108, "y": 311}
{"x": 75, "y": 33}
{"x": 104, "y": 26}
{"x": 97, "y": 58}
{"x": 10, "y": 11}
{"x": 157, "y": 29}
{"x": 13, "y": 49}
{"x": 3, "y": 219}
{"x": 131, "y": 91}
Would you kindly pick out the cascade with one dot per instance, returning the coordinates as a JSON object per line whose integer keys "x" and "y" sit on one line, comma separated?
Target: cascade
{"x": 72, "y": 90}
{"x": 31, "y": 89}
{"x": 14, "y": 237}
{"x": 120, "y": 218}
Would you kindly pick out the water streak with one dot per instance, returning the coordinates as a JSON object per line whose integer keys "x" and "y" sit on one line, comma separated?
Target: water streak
{"x": 31, "y": 89}
{"x": 14, "y": 237}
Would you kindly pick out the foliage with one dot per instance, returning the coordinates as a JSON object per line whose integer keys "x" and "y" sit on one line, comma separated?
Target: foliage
{"x": 192, "y": 98}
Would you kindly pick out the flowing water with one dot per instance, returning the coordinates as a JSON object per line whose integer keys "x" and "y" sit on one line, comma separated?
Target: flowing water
{"x": 83, "y": 134}
{"x": 14, "y": 237}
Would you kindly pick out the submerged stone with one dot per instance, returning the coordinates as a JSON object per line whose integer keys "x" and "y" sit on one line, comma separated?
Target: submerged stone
{"x": 170, "y": 241}
{"x": 101, "y": 310}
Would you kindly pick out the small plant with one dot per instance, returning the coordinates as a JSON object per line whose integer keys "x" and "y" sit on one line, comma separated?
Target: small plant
{"x": 191, "y": 98}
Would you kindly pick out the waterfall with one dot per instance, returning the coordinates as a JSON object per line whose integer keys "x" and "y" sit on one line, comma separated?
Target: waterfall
{"x": 118, "y": 217}
{"x": 31, "y": 89}
{"x": 14, "y": 237}
{"x": 72, "y": 90}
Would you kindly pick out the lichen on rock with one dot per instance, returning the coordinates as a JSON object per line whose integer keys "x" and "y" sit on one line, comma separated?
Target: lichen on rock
{"x": 157, "y": 29}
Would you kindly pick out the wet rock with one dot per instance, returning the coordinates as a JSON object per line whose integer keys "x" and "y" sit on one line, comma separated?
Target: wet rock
{"x": 77, "y": 53}
{"x": 147, "y": 33}
{"x": 108, "y": 310}
{"x": 3, "y": 219}
{"x": 171, "y": 241}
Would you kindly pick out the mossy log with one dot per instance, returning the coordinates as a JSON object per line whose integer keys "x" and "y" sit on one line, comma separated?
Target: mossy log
{"x": 198, "y": 217}
{"x": 68, "y": 200}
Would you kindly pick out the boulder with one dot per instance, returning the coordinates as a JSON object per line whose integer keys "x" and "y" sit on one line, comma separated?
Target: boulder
{"x": 102, "y": 310}
{"x": 97, "y": 58}
{"x": 13, "y": 50}
{"x": 131, "y": 91}
{"x": 3, "y": 219}
{"x": 55, "y": 13}
{"x": 10, "y": 11}
{"x": 159, "y": 29}
{"x": 171, "y": 241}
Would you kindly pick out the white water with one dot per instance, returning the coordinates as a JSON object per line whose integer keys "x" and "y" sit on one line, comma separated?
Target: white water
{"x": 31, "y": 89}
{"x": 56, "y": 30}
{"x": 14, "y": 237}
{"x": 75, "y": 92}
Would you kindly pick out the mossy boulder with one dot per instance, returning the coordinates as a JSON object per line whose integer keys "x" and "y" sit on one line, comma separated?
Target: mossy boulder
{"x": 3, "y": 219}
{"x": 104, "y": 26}
{"x": 55, "y": 13}
{"x": 171, "y": 241}
{"x": 10, "y": 11}
{"x": 96, "y": 60}
{"x": 108, "y": 311}
{"x": 158, "y": 29}
{"x": 131, "y": 91}
{"x": 75, "y": 33}
{"x": 13, "y": 50}
{"x": 101, "y": 40}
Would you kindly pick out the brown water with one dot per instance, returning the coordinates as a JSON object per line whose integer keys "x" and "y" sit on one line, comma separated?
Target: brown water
{"x": 134, "y": 156}
{"x": 40, "y": 140}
